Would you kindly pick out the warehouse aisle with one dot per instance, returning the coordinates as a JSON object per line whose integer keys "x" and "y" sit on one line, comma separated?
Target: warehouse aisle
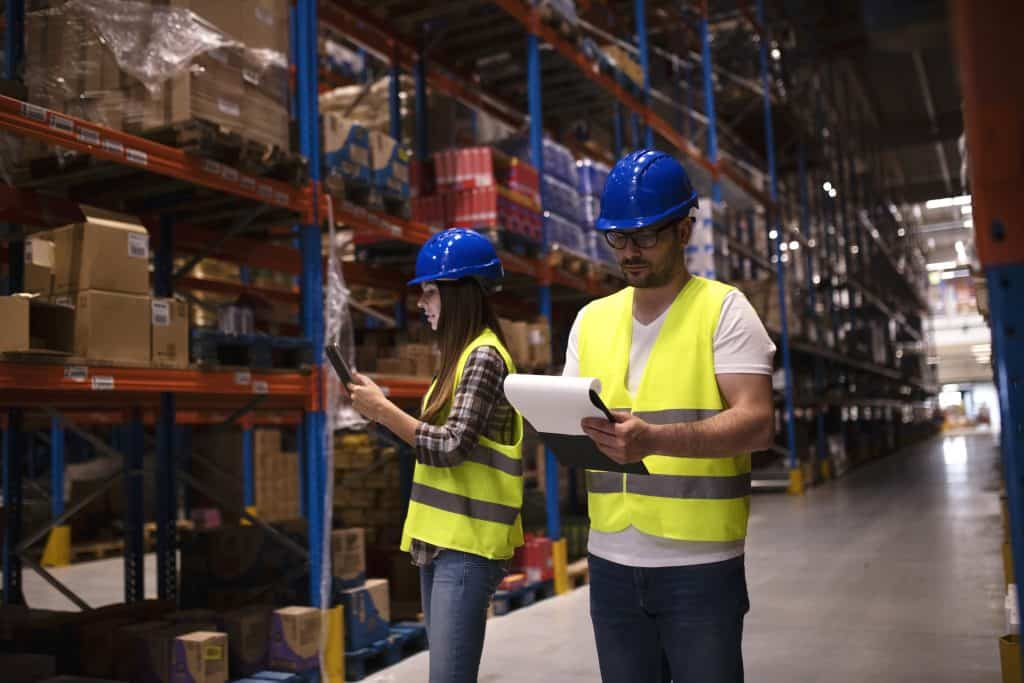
{"x": 892, "y": 574}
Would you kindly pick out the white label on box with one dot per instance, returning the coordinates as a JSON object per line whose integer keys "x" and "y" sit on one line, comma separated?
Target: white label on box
{"x": 63, "y": 123}
{"x": 230, "y": 174}
{"x": 76, "y": 373}
{"x": 64, "y": 301}
{"x": 113, "y": 146}
{"x": 229, "y": 107}
{"x": 32, "y": 111}
{"x": 266, "y": 191}
{"x": 265, "y": 16}
{"x": 137, "y": 156}
{"x": 39, "y": 252}
{"x": 211, "y": 166}
{"x": 536, "y": 338}
{"x": 89, "y": 136}
{"x": 102, "y": 383}
{"x": 161, "y": 313}
{"x": 260, "y": 387}
{"x": 138, "y": 245}
{"x": 251, "y": 76}
{"x": 243, "y": 377}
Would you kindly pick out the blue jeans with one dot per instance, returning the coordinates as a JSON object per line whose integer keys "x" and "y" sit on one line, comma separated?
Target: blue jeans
{"x": 679, "y": 623}
{"x": 457, "y": 588}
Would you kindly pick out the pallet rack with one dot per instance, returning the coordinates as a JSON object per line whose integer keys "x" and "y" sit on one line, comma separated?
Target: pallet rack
{"x": 167, "y": 398}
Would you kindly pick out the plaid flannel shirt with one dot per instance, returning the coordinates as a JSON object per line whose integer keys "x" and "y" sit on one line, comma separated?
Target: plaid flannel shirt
{"x": 479, "y": 408}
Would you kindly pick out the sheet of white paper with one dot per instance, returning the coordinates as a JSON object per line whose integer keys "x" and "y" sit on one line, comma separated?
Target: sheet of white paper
{"x": 554, "y": 405}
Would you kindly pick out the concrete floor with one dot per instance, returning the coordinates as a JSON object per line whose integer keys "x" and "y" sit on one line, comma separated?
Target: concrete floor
{"x": 890, "y": 574}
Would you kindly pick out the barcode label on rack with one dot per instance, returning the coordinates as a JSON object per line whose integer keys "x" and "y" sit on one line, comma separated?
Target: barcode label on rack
{"x": 113, "y": 146}
{"x": 229, "y": 173}
{"x": 76, "y": 373}
{"x": 61, "y": 123}
{"x": 266, "y": 191}
{"x": 137, "y": 156}
{"x": 260, "y": 387}
{"x": 161, "y": 313}
{"x": 138, "y": 245}
{"x": 249, "y": 183}
{"x": 88, "y": 136}
{"x": 244, "y": 377}
{"x": 102, "y": 383}
{"x": 33, "y": 111}
{"x": 211, "y": 166}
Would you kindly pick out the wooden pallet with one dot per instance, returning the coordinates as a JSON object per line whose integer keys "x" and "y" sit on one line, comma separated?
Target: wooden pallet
{"x": 404, "y": 640}
{"x": 220, "y": 143}
{"x": 96, "y": 550}
{"x": 570, "y": 262}
{"x": 504, "y": 602}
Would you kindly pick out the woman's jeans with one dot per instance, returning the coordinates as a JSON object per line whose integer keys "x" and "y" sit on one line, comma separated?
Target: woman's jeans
{"x": 457, "y": 588}
{"x": 686, "y": 619}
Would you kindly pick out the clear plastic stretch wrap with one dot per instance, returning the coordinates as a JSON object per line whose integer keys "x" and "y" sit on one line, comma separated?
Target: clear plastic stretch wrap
{"x": 139, "y": 66}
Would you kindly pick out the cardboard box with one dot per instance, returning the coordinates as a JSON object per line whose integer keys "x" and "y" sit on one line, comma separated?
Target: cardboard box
{"x": 367, "y": 613}
{"x": 39, "y": 261}
{"x": 200, "y": 657}
{"x": 112, "y": 327}
{"x": 27, "y": 668}
{"x": 169, "y": 333}
{"x": 390, "y": 164}
{"x": 265, "y": 120}
{"x": 256, "y": 23}
{"x": 34, "y": 326}
{"x": 347, "y": 147}
{"x": 97, "y": 646}
{"x": 211, "y": 90}
{"x": 109, "y": 251}
{"x": 348, "y": 552}
{"x": 248, "y": 630}
{"x": 295, "y": 639}
{"x": 396, "y": 366}
{"x": 517, "y": 339}
{"x": 539, "y": 337}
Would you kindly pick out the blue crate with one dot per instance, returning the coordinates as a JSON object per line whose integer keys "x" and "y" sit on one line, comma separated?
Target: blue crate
{"x": 592, "y": 176}
{"x": 402, "y": 640}
{"x": 347, "y": 150}
{"x": 504, "y": 602}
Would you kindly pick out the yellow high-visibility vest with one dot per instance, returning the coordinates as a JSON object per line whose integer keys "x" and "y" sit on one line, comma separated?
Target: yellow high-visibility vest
{"x": 475, "y": 506}
{"x": 686, "y": 499}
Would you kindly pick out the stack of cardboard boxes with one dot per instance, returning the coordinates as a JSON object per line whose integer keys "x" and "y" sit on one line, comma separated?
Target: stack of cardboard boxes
{"x": 276, "y": 479}
{"x": 241, "y": 83}
{"x": 529, "y": 343}
{"x": 366, "y": 602}
{"x": 99, "y": 270}
{"x": 362, "y": 156}
{"x": 367, "y": 489}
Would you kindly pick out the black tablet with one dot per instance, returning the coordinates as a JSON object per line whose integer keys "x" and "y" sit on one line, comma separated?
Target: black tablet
{"x": 340, "y": 366}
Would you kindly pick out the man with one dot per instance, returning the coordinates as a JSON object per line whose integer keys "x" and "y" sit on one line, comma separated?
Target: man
{"x": 685, "y": 365}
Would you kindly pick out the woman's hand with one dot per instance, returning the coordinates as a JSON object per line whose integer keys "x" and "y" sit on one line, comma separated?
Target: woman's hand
{"x": 368, "y": 398}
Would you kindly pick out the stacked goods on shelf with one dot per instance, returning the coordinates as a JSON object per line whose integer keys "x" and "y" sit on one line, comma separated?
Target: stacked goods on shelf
{"x": 295, "y": 640}
{"x": 366, "y": 487}
{"x": 591, "y": 177}
{"x": 220, "y": 64}
{"x": 276, "y": 477}
{"x": 337, "y": 58}
{"x": 359, "y": 152}
{"x": 481, "y": 188}
{"x": 529, "y": 343}
{"x": 701, "y": 251}
{"x": 366, "y": 602}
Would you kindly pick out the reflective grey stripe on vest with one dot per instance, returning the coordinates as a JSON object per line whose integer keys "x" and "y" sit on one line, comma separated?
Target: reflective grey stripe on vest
{"x": 670, "y": 485}
{"x": 675, "y": 415}
{"x": 673, "y": 486}
{"x": 604, "y": 482}
{"x": 461, "y": 505}
{"x": 482, "y": 455}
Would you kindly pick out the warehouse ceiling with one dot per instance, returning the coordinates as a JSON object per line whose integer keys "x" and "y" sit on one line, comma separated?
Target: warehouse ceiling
{"x": 882, "y": 74}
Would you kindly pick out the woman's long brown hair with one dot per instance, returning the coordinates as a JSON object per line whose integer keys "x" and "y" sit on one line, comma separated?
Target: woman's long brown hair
{"x": 465, "y": 312}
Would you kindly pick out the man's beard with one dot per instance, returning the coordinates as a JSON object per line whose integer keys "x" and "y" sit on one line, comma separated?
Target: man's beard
{"x": 657, "y": 275}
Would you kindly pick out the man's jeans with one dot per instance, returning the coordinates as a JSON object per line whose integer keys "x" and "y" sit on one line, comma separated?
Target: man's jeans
{"x": 690, "y": 616}
{"x": 457, "y": 589}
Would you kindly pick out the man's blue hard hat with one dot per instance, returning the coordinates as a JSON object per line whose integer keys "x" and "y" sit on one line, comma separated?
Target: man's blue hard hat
{"x": 456, "y": 253}
{"x": 645, "y": 188}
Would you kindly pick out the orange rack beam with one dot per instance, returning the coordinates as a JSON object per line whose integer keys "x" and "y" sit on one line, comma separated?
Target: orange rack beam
{"x": 105, "y": 143}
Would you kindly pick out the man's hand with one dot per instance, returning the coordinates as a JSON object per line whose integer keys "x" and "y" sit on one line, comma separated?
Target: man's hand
{"x": 626, "y": 440}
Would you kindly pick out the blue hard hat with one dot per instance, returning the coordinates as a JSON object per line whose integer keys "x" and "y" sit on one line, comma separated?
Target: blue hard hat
{"x": 645, "y": 188}
{"x": 457, "y": 253}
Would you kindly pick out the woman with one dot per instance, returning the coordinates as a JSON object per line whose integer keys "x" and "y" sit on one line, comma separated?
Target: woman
{"x": 464, "y": 514}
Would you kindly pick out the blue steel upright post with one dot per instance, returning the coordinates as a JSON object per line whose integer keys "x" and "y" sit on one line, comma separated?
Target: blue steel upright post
{"x": 640, "y": 14}
{"x": 56, "y": 467}
{"x": 313, "y": 421}
{"x": 166, "y": 493}
{"x": 13, "y": 447}
{"x": 617, "y": 129}
{"x": 795, "y": 478}
{"x": 133, "y": 446}
{"x": 419, "y": 76}
{"x": 533, "y": 90}
{"x": 709, "y": 102}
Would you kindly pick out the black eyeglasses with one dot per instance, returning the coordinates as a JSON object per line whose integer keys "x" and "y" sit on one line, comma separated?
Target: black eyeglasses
{"x": 642, "y": 239}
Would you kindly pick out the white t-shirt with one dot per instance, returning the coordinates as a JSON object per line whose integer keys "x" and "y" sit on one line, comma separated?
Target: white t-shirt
{"x": 741, "y": 345}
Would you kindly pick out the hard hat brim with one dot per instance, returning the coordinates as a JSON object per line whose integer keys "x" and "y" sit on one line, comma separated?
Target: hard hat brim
{"x": 678, "y": 211}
